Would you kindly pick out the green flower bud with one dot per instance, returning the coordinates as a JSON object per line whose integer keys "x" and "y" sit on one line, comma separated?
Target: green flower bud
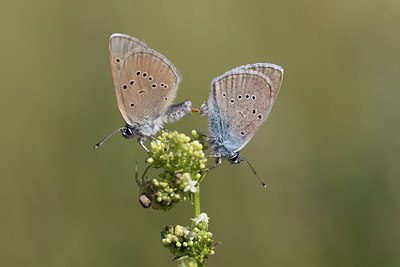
{"x": 185, "y": 177}
{"x": 179, "y": 230}
{"x": 176, "y": 159}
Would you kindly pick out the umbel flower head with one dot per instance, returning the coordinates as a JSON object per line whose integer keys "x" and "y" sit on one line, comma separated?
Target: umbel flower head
{"x": 182, "y": 163}
{"x": 194, "y": 241}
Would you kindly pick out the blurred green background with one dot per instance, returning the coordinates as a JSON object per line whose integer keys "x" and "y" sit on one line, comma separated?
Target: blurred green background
{"x": 329, "y": 150}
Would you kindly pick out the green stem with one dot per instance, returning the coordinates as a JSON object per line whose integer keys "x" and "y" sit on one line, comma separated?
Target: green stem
{"x": 196, "y": 197}
{"x": 197, "y": 213}
{"x": 197, "y": 203}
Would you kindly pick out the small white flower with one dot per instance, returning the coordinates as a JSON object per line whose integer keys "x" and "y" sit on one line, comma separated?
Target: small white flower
{"x": 201, "y": 218}
{"x": 190, "y": 234}
{"x": 191, "y": 186}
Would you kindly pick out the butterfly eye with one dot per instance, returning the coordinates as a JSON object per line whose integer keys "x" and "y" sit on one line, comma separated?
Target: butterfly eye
{"x": 259, "y": 116}
{"x": 253, "y": 97}
{"x": 247, "y": 96}
{"x": 232, "y": 100}
{"x": 138, "y": 73}
{"x": 239, "y": 97}
{"x": 223, "y": 94}
{"x": 132, "y": 82}
{"x": 124, "y": 86}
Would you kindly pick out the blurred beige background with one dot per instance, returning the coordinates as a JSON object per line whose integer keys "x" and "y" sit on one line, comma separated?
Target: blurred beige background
{"x": 329, "y": 150}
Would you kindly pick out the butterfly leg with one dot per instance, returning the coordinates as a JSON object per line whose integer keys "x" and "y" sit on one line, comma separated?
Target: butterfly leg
{"x": 218, "y": 161}
{"x": 212, "y": 156}
{"x": 163, "y": 129}
{"x": 141, "y": 140}
{"x": 152, "y": 138}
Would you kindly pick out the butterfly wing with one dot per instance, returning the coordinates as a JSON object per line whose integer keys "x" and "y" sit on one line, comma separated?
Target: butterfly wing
{"x": 239, "y": 103}
{"x": 146, "y": 86}
{"x": 119, "y": 46}
{"x": 272, "y": 71}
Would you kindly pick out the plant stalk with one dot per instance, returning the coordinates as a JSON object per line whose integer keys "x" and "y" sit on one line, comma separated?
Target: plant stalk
{"x": 197, "y": 212}
{"x": 197, "y": 203}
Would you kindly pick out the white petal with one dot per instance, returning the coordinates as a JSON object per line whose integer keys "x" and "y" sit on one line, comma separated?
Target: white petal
{"x": 193, "y": 189}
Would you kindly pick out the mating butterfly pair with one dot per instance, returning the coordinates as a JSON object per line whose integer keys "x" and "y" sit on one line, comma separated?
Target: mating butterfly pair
{"x": 146, "y": 82}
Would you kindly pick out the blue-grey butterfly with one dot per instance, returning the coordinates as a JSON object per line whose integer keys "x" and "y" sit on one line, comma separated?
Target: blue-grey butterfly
{"x": 239, "y": 102}
{"x": 145, "y": 85}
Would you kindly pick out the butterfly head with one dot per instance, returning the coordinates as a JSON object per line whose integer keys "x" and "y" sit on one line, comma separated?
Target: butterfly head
{"x": 127, "y": 132}
{"x": 234, "y": 158}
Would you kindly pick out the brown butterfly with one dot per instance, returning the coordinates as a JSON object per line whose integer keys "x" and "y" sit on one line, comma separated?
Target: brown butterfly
{"x": 145, "y": 85}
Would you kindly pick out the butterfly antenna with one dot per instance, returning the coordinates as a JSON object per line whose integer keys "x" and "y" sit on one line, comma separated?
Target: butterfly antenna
{"x": 102, "y": 141}
{"x": 254, "y": 171}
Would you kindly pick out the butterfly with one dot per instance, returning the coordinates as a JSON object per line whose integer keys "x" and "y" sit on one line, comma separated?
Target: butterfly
{"x": 145, "y": 85}
{"x": 240, "y": 101}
